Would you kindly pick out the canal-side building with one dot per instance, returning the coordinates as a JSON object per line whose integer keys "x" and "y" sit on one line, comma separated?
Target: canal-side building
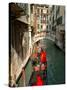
{"x": 56, "y": 25}
{"x": 60, "y": 27}
{"x": 49, "y": 21}
{"x": 19, "y": 41}
{"x": 38, "y": 19}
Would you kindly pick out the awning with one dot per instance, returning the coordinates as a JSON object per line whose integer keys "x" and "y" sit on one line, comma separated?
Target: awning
{"x": 23, "y": 19}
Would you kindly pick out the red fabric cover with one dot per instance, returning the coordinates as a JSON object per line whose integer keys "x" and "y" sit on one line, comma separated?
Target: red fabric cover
{"x": 43, "y": 57}
{"x": 39, "y": 81}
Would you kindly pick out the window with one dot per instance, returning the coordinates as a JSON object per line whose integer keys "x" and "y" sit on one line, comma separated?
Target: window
{"x": 59, "y": 20}
{"x": 41, "y": 11}
{"x": 37, "y": 11}
{"x": 57, "y": 11}
{"x": 49, "y": 26}
{"x": 41, "y": 26}
{"x": 50, "y": 18}
{"x": 53, "y": 8}
{"x": 54, "y": 28}
{"x": 53, "y": 20}
{"x": 38, "y": 26}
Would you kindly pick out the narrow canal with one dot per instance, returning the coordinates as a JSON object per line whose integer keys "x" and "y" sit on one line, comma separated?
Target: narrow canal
{"x": 55, "y": 64}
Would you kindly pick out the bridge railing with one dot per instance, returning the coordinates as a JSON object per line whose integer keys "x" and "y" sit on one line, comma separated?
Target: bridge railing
{"x": 38, "y": 36}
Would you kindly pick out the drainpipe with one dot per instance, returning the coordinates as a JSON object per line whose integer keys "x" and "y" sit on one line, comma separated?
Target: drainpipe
{"x": 40, "y": 20}
{"x": 29, "y": 28}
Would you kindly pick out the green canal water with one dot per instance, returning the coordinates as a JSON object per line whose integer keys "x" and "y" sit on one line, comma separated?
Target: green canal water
{"x": 55, "y": 63}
